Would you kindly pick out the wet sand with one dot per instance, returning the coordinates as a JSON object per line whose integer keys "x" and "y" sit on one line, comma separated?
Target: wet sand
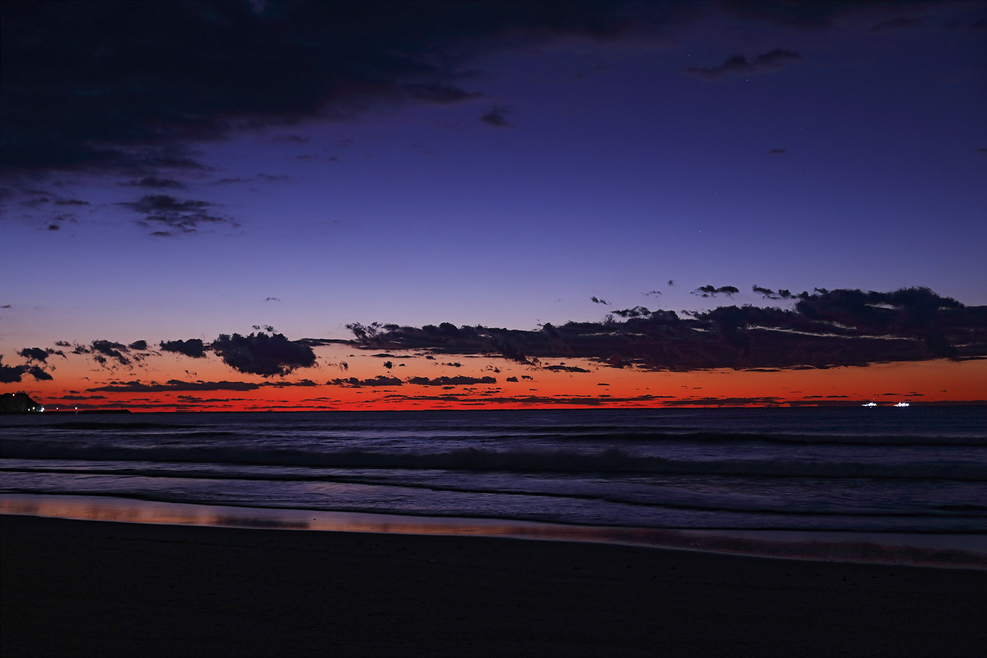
{"x": 117, "y": 589}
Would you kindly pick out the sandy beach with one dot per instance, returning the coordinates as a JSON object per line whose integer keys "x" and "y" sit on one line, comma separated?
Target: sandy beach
{"x": 97, "y": 588}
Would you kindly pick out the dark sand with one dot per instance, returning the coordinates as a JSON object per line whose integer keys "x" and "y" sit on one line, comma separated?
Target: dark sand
{"x": 105, "y": 589}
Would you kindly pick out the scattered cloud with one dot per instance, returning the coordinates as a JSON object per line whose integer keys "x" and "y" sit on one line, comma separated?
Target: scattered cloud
{"x": 739, "y": 65}
{"x": 777, "y": 152}
{"x": 564, "y": 368}
{"x": 768, "y": 293}
{"x": 13, "y": 374}
{"x": 636, "y": 312}
{"x": 193, "y": 347}
{"x": 102, "y": 350}
{"x": 170, "y": 215}
{"x": 713, "y": 291}
{"x": 38, "y": 373}
{"x": 497, "y": 117}
{"x": 440, "y": 94}
{"x": 38, "y": 354}
{"x": 263, "y": 354}
{"x": 597, "y": 300}
{"x": 290, "y": 139}
{"x": 825, "y": 329}
{"x": 354, "y": 382}
{"x": 174, "y": 385}
{"x": 458, "y": 380}
{"x": 156, "y": 183}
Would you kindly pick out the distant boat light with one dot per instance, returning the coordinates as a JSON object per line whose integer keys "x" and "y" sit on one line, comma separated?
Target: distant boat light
{"x": 902, "y": 404}
{"x": 869, "y": 404}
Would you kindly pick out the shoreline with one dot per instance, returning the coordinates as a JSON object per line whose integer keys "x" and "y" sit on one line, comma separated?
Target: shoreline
{"x": 927, "y": 550}
{"x": 73, "y": 587}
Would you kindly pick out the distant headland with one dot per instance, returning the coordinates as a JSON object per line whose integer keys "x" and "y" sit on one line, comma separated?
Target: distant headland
{"x": 21, "y": 403}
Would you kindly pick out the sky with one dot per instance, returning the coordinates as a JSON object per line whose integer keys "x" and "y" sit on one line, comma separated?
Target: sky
{"x": 209, "y": 205}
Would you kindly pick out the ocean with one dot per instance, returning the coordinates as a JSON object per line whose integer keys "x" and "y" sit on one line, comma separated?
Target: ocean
{"x": 767, "y": 474}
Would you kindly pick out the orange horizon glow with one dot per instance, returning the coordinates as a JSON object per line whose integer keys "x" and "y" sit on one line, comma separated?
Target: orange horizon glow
{"x": 931, "y": 382}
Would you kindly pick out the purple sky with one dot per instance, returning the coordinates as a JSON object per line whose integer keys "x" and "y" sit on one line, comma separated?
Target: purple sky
{"x": 184, "y": 170}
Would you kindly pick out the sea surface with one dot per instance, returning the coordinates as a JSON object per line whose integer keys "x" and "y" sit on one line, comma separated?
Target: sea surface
{"x": 899, "y": 471}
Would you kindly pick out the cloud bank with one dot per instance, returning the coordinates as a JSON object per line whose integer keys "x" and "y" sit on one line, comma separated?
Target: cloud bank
{"x": 825, "y": 329}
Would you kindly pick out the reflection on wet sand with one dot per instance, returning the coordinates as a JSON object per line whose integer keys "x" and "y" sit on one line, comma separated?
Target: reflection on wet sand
{"x": 927, "y": 550}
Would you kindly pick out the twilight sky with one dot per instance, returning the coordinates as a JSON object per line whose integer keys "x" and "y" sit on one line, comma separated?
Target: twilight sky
{"x": 257, "y": 175}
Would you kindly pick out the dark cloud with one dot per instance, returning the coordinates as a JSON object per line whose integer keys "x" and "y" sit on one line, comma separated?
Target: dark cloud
{"x": 272, "y": 299}
{"x": 104, "y": 349}
{"x": 54, "y": 227}
{"x": 170, "y": 215}
{"x": 174, "y": 385}
{"x": 739, "y": 65}
{"x": 497, "y": 117}
{"x": 283, "y": 384}
{"x": 777, "y": 152}
{"x": 353, "y": 382}
{"x": 290, "y": 139}
{"x": 636, "y": 312}
{"x": 597, "y": 300}
{"x": 825, "y": 329}
{"x": 36, "y": 354}
{"x": 13, "y": 374}
{"x": 713, "y": 291}
{"x": 271, "y": 178}
{"x": 263, "y": 354}
{"x": 193, "y": 347}
{"x": 139, "y": 345}
{"x": 128, "y": 86}
{"x": 71, "y": 202}
{"x": 440, "y": 94}
{"x": 157, "y": 183}
{"x": 768, "y": 293}
{"x": 458, "y": 380}
{"x": 38, "y": 373}
{"x": 565, "y": 368}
